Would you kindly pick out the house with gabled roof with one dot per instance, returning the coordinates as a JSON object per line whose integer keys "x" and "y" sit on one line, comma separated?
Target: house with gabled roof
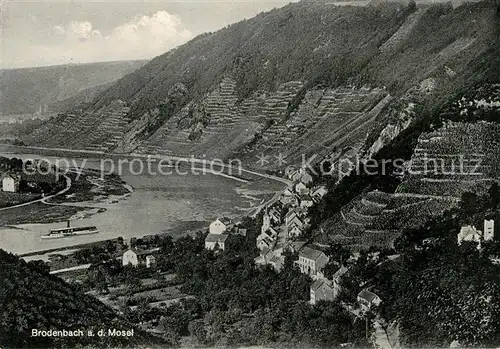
{"x": 301, "y": 188}
{"x": 221, "y": 225}
{"x": 469, "y": 233}
{"x": 277, "y": 262}
{"x": 321, "y": 290}
{"x": 268, "y": 256}
{"x": 289, "y": 246}
{"x": 317, "y": 193}
{"x": 276, "y": 214}
{"x": 294, "y": 215}
{"x": 306, "y": 178}
{"x": 138, "y": 257}
{"x": 368, "y": 300}
{"x": 295, "y": 231}
{"x": 305, "y": 201}
{"x": 264, "y": 240}
{"x": 311, "y": 261}
{"x": 213, "y": 241}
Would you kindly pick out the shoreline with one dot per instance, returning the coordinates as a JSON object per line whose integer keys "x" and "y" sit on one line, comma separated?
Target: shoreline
{"x": 80, "y": 206}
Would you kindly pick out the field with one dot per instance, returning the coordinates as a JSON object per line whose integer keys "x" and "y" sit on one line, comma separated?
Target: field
{"x": 12, "y": 199}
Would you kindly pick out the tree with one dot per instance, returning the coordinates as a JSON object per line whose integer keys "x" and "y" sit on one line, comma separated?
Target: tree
{"x": 197, "y": 330}
{"x": 412, "y": 6}
{"x": 494, "y": 193}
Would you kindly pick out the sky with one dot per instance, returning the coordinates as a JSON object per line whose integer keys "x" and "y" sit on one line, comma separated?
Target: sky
{"x": 51, "y": 32}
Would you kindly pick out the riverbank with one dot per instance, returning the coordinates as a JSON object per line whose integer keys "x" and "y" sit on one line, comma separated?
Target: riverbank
{"x": 82, "y": 187}
{"x": 173, "y": 204}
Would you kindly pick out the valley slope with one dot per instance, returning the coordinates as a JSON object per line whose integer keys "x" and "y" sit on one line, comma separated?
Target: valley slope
{"x": 312, "y": 80}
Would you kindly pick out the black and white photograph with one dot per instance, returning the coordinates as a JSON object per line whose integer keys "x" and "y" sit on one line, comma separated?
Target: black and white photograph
{"x": 258, "y": 174}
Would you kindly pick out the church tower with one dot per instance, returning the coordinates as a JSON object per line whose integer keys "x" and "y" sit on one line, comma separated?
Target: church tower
{"x": 266, "y": 221}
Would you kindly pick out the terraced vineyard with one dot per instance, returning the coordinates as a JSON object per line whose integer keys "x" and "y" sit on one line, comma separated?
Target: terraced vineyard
{"x": 325, "y": 120}
{"x": 220, "y": 125}
{"x": 89, "y": 131}
{"x": 452, "y": 160}
{"x": 456, "y": 158}
{"x": 377, "y": 218}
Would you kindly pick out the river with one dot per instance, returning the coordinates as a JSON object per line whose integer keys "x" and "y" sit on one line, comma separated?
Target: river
{"x": 173, "y": 204}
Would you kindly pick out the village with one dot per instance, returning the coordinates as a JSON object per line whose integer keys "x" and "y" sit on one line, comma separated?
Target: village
{"x": 281, "y": 236}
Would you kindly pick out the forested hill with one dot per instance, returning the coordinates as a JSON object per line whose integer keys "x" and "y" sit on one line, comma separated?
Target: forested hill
{"x": 307, "y": 78}
{"x": 316, "y": 42}
{"x": 28, "y": 90}
{"x": 31, "y": 298}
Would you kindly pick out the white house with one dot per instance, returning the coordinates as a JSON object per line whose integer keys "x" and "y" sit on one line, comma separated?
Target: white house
{"x": 489, "y": 230}
{"x": 469, "y": 233}
{"x": 138, "y": 257}
{"x": 318, "y": 193}
{"x": 216, "y": 240}
{"x": 10, "y": 183}
{"x": 221, "y": 225}
{"x": 368, "y": 300}
{"x": 301, "y": 188}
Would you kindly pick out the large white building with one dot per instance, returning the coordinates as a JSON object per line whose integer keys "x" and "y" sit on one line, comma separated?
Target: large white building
{"x": 311, "y": 262}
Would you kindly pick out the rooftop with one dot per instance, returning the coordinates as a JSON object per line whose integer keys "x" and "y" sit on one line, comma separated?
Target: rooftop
{"x": 216, "y": 238}
{"x": 310, "y": 253}
{"x": 367, "y": 295}
{"x": 226, "y": 220}
{"x": 340, "y": 272}
{"x": 320, "y": 282}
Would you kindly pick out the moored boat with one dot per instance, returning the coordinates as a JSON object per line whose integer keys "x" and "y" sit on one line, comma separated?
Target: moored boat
{"x": 70, "y": 231}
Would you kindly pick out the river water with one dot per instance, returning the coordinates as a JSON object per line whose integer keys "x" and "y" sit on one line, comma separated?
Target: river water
{"x": 171, "y": 204}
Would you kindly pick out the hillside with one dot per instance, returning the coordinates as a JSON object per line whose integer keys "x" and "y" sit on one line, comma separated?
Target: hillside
{"x": 28, "y": 90}
{"x": 316, "y": 80}
{"x": 446, "y": 156}
{"x": 308, "y": 78}
{"x": 30, "y": 298}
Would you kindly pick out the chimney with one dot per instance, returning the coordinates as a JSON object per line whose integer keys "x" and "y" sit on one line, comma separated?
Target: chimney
{"x": 68, "y": 224}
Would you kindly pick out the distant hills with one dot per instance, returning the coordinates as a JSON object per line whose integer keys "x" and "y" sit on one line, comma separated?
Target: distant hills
{"x": 28, "y": 90}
